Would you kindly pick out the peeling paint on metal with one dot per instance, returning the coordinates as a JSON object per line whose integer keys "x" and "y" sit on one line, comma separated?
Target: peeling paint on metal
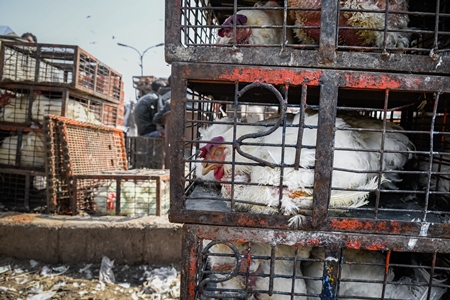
{"x": 273, "y": 76}
{"x": 412, "y": 243}
{"x": 424, "y": 229}
{"x": 331, "y": 258}
{"x": 238, "y": 57}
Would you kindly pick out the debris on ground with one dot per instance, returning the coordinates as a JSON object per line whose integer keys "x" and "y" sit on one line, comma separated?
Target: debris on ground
{"x": 33, "y": 280}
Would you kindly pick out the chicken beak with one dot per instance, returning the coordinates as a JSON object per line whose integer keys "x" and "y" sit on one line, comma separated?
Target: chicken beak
{"x": 206, "y": 168}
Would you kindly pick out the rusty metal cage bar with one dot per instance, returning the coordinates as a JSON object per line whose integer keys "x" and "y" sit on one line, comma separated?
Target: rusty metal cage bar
{"x": 77, "y": 148}
{"x": 420, "y": 47}
{"x": 84, "y": 184}
{"x": 222, "y": 262}
{"x": 62, "y": 65}
{"x": 391, "y": 98}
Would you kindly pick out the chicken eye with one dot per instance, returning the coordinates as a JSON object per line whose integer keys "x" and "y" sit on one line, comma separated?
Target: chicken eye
{"x": 218, "y": 151}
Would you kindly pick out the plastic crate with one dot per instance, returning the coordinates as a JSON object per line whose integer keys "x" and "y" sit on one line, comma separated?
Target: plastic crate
{"x": 133, "y": 193}
{"x": 328, "y": 35}
{"x": 62, "y": 65}
{"x": 328, "y": 105}
{"x": 221, "y": 262}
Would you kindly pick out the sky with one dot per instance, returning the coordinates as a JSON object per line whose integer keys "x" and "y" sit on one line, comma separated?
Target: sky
{"x": 97, "y": 26}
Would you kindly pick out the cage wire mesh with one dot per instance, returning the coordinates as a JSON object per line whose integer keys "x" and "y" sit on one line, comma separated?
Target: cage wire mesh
{"x": 22, "y": 191}
{"x": 133, "y": 193}
{"x": 67, "y": 65}
{"x": 264, "y": 264}
{"x": 22, "y": 148}
{"x": 414, "y": 27}
{"x": 303, "y": 152}
{"x": 28, "y": 105}
{"x": 77, "y": 148}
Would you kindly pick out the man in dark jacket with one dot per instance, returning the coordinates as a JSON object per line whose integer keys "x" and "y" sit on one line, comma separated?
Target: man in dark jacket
{"x": 145, "y": 109}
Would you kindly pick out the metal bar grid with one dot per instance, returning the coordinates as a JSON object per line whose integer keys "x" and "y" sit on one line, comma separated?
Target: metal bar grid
{"x": 231, "y": 262}
{"x": 62, "y": 65}
{"x": 398, "y": 39}
{"x": 134, "y": 193}
{"x": 412, "y": 201}
{"x": 77, "y": 148}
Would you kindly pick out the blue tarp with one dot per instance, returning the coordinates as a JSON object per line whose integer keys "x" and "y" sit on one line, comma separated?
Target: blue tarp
{"x": 6, "y": 30}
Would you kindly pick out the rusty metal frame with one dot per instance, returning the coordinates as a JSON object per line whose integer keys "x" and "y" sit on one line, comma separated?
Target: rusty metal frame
{"x": 329, "y": 81}
{"x": 326, "y": 56}
{"x": 193, "y": 252}
{"x": 71, "y": 65}
{"x": 144, "y": 174}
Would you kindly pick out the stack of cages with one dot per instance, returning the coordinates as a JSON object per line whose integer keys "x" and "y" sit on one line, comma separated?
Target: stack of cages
{"x": 312, "y": 160}
{"x": 37, "y": 80}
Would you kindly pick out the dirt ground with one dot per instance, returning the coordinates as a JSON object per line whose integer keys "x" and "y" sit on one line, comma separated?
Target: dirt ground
{"x": 32, "y": 280}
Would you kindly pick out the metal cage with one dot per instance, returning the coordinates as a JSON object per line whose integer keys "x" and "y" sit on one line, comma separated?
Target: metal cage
{"x": 400, "y": 36}
{"x": 25, "y": 105}
{"x": 297, "y": 139}
{"x": 61, "y": 65}
{"x": 240, "y": 263}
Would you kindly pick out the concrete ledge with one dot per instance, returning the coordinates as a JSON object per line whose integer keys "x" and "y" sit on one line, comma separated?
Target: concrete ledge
{"x": 66, "y": 239}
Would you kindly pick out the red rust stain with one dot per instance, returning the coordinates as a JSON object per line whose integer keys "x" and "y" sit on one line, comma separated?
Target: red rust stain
{"x": 310, "y": 242}
{"x": 354, "y": 244}
{"x": 392, "y": 227}
{"x": 388, "y": 258}
{"x": 347, "y": 224}
{"x": 376, "y": 246}
{"x": 273, "y": 76}
{"x": 378, "y": 81}
{"x": 21, "y": 218}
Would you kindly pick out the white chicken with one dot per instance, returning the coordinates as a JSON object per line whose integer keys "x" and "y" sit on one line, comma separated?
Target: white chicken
{"x": 14, "y": 108}
{"x": 43, "y": 106}
{"x": 137, "y": 198}
{"x": 268, "y": 28}
{"x": 361, "y": 18}
{"x": 357, "y": 165}
{"x": 258, "y": 266}
{"x": 370, "y": 266}
{"x": 32, "y": 150}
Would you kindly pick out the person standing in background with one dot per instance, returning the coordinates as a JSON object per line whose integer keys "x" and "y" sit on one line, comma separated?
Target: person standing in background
{"x": 29, "y": 37}
{"x": 145, "y": 110}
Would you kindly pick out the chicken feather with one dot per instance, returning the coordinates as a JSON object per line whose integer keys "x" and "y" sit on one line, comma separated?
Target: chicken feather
{"x": 373, "y": 21}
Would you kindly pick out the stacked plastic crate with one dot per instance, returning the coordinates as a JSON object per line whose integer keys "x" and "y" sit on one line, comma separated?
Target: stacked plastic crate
{"x": 38, "y": 80}
{"x": 315, "y": 162}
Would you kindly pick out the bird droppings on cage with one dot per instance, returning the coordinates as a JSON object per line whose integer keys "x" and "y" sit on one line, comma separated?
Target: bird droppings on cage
{"x": 264, "y": 264}
{"x": 297, "y": 151}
